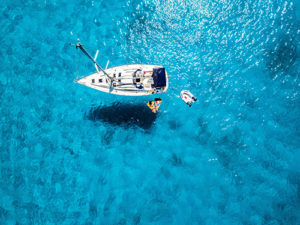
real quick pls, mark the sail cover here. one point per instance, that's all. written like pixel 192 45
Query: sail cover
pixel 159 77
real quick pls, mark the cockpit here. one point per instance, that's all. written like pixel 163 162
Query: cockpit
pixel 150 79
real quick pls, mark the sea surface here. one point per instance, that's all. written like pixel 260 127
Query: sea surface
pixel 72 155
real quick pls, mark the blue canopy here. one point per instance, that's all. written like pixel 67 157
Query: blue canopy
pixel 159 77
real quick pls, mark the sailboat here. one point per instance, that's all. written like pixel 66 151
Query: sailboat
pixel 128 80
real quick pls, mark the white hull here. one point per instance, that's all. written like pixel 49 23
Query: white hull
pixel 129 80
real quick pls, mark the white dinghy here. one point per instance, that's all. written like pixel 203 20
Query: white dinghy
pixel 188 97
pixel 129 80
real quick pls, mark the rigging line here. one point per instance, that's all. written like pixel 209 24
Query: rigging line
pixel 76 62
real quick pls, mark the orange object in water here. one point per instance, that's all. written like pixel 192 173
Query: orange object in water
pixel 154 105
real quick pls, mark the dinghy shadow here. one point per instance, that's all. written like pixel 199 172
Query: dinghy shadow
pixel 127 115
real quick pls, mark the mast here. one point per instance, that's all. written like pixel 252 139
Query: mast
pixel 78 45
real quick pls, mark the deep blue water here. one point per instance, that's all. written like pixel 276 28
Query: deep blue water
pixel 72 155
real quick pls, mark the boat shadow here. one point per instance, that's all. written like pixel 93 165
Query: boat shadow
pixel 126 115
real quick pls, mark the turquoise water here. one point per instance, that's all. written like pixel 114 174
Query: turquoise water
pixel 72 155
